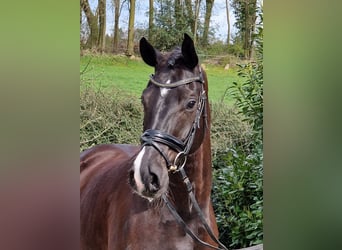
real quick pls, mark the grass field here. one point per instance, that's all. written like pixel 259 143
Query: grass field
pixel 131 75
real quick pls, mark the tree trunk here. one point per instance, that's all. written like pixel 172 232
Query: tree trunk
pixel 208 10
pixel 178 15
pixel 81 14
pixel 253 17
pixel 245 13
pixel 190 15
pixel 80 28
pixel 247 30
pixel 102 25
pixel 228 22
pixel 197 7
pixel 250 18
pixel 130 40
pixel 92 22
pixel 150 20
pixel 116 25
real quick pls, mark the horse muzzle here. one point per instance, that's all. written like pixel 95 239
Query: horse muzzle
pixel 149 177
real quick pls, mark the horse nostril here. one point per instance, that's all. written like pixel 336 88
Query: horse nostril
pixel 154 185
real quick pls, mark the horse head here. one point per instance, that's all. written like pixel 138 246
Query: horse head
pixel 174 116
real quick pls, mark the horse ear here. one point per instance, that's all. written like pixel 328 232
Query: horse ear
pixel 147 52
pixel 189 52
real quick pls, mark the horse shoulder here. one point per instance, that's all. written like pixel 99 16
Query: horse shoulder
pixel 104 168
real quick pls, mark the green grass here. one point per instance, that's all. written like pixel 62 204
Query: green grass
pixel 131 75
pixel 219 80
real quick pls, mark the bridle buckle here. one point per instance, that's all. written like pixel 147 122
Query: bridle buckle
pixel 179 162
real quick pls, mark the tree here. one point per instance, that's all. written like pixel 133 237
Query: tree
pixel 178 14
pixel 150 20
pixel 208 9
pixel 190 15
pixel 96 23
pixel 102 25
pixel 92 23
pixel 130 39
pixel 80 26
pixel 116 25
pixel 228 22
pixel 194 30
pixel 171 22
pixel 118 5
pixel 245 12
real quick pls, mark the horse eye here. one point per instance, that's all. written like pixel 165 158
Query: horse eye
pixel 191 104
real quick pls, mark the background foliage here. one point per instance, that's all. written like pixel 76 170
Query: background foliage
pixel 169 26
pixel 114 116
pixel 108 117
pixel 238 174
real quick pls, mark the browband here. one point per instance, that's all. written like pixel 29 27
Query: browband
pixel 178 83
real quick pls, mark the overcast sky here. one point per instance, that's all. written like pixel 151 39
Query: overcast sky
pixel 218 19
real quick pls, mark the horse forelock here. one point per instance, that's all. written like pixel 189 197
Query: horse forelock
pixel 168 60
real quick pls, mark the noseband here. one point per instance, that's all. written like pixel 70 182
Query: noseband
pixel 152 137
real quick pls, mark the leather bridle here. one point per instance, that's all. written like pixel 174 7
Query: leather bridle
pixel 153 137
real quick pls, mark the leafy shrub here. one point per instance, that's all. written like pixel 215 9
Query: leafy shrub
pixel 237 197
pixel 238 173
pixel 236 49
pixel 217 48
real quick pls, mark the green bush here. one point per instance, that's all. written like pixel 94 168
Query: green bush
pixel 217 48
pixel 236 49
pixel 237 197
pixel 238 172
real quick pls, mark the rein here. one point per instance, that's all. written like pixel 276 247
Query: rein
pixel 181 222
pixel 152 137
